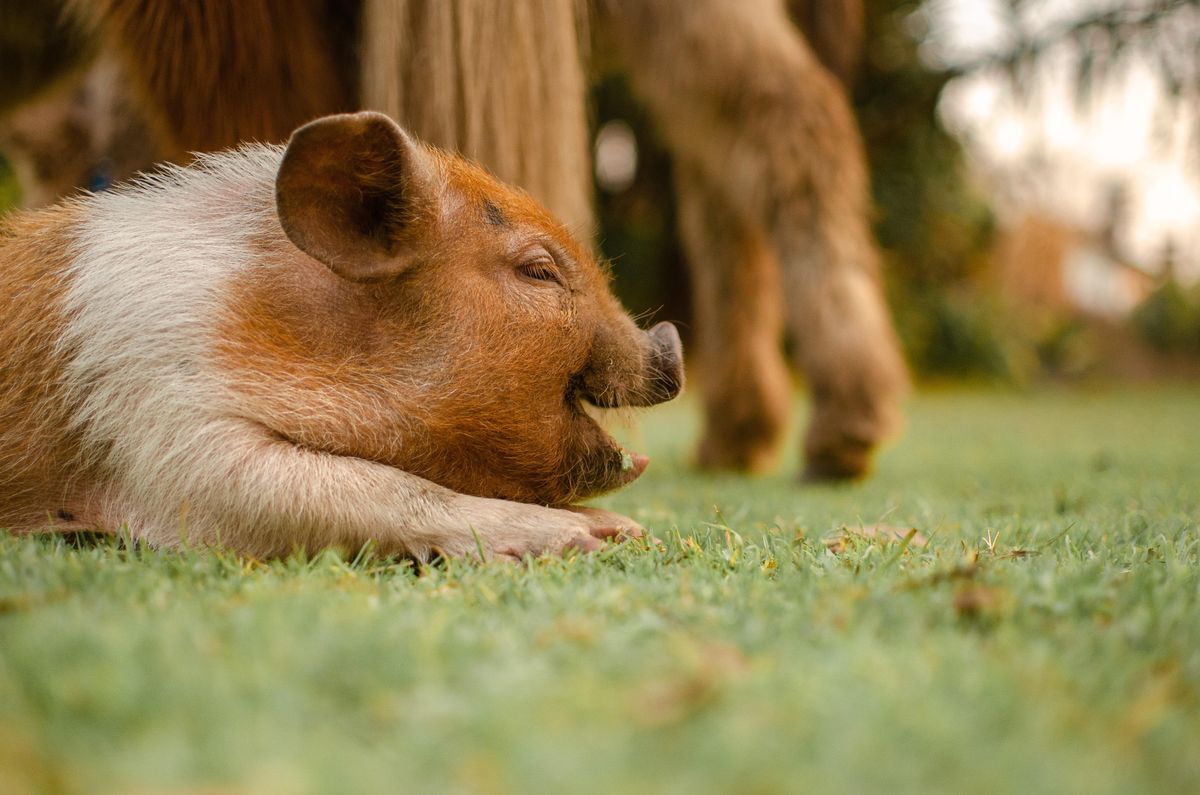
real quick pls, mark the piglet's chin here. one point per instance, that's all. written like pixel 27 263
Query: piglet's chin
pixel 595 463
pixel 633 464
pixel 606 469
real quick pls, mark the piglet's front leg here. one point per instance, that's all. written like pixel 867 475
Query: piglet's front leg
pixel 514 530
pixel 608 525
pixel 244 489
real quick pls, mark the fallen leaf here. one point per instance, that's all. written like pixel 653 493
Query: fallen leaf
pixel 710 668
pixel 978 600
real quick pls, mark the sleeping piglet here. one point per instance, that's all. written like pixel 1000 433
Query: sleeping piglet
pixel 353 338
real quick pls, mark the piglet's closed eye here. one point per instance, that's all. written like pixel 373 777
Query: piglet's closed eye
pixel 354 192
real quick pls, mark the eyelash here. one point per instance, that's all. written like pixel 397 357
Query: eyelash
pixel 542 270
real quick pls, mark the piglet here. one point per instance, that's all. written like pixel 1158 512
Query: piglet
pixel 354 338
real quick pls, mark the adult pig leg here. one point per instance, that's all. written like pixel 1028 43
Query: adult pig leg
pixel 737 93
pixel 739 328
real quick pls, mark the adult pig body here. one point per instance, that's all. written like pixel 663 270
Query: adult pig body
pixel 356 338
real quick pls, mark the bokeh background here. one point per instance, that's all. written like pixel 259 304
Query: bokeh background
pixel 1034 168
pixel 1035 177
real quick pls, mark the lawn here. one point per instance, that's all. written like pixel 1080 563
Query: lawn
pixel 1044 638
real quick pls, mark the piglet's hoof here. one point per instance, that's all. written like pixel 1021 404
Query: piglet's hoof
pixel 609 526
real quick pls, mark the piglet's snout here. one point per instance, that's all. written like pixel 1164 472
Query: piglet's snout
pixel 665 373
pixel 651 372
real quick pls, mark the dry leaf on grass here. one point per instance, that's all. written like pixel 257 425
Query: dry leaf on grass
pixel 882 533
pixel 665 701
pixel 978 600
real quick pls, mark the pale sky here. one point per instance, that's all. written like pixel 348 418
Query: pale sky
pixel 1124 134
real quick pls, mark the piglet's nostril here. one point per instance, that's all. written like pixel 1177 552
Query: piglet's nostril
pixel 649 372
pixel 665 376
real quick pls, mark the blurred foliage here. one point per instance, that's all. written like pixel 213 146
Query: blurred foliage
pixel 1065 347
pixel 1162 33
pixel 1169 319
pixel 960 332
pixel 933 223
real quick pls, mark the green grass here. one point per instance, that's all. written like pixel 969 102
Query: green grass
pixel 1046 639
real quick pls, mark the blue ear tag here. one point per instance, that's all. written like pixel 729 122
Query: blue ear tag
pixel 101 176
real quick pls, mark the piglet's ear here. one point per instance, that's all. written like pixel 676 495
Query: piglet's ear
pixel 355 192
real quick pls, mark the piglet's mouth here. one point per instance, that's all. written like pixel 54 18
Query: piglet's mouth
pixel 601 463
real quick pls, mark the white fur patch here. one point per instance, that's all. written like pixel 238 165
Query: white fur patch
pixel 152 267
